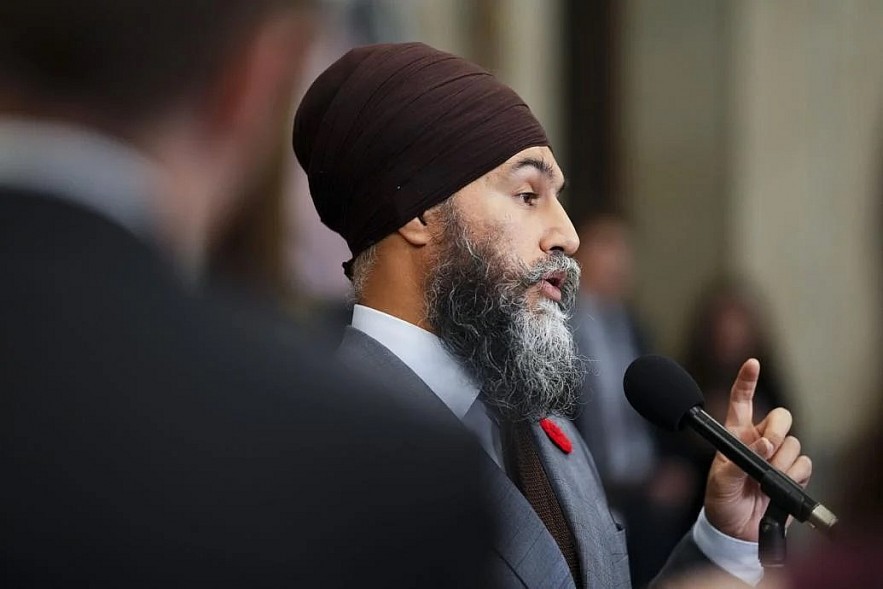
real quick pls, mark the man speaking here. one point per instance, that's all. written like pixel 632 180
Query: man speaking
pixel 446 190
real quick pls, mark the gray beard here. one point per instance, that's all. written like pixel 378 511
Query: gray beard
pixel 477 303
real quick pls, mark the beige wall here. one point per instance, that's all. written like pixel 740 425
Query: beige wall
pixel 672 151
pixel 440 23
pixel 807 133
pixel 751 140
pixel 531 59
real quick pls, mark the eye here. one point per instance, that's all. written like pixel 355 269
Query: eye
pixel 529 198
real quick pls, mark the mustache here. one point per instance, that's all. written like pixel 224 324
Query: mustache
pixel 560 264
pixel 479 300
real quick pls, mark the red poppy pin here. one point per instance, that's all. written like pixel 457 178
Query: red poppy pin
pixel 558 437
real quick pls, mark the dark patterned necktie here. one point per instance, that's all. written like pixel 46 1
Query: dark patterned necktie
pixel 527 472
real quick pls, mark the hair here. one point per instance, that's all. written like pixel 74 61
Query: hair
pixel 363 264
pixel 127 59
pixel 700 357
pixel 477 303
pixel 250 251
pixel 365 260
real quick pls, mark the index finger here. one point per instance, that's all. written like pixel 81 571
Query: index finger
pixel 740 411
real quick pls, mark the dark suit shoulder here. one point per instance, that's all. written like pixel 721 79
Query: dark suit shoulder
pixel 148 434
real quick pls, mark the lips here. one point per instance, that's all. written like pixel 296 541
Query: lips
pixel 550 284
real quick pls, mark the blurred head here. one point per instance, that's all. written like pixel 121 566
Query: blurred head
pixel 605 255
pixel 444 186
pixel 200 86
pixel 728 327
pixel 735 332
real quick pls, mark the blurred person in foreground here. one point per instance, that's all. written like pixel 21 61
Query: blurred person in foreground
pixel 445 188
pixel 149 434
pixel 645 487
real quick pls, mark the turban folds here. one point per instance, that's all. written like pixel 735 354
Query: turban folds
pixel 389 131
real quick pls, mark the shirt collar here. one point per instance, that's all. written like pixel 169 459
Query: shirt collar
pixel 422 352
pixel 81 166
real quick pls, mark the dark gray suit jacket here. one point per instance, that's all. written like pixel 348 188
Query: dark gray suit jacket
pixel 525 554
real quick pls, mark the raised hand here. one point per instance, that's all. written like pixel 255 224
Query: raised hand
pixel 734 503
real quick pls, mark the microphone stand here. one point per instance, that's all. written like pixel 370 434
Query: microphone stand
pixel 771 544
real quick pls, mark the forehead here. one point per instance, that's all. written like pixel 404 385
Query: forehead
pixel 531 161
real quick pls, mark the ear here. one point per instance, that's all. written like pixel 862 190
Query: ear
pixel 416 232
pixel 258 83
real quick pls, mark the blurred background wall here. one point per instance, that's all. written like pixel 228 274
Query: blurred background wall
pixel 749 142
pixel 740 137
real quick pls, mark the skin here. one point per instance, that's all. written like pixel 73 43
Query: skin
pixel 520 200
pixel 210 152
pixel 734 503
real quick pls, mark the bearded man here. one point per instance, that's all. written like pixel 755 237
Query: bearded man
pixel 446 190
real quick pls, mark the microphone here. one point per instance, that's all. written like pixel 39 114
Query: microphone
pixel 666 395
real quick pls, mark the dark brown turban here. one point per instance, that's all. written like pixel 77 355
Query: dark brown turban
pixel 389 131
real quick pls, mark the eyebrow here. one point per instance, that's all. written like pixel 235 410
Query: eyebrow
pixel 540 164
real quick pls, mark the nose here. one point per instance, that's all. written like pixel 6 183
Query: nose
pixel 560 234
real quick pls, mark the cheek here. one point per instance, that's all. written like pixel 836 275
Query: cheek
pixel 523 239
pixel 517 246
pixel 514 232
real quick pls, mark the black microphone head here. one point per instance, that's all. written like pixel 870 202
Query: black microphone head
pixel 661 391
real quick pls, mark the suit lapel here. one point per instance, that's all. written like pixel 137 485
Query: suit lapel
pixel 372 359
pixel 523 542
pixel 600 542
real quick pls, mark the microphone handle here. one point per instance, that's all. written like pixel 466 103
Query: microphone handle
pixel 780 488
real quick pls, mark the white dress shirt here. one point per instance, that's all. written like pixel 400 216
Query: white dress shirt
pixel 424 353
